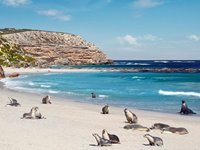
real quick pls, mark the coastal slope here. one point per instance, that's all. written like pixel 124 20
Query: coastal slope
pixel 55 48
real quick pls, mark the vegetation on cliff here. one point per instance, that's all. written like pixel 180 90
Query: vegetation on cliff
pixel 13 55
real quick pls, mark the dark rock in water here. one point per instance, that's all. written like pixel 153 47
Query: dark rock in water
pixel 2 75
pixel 14 75
pixel 162 70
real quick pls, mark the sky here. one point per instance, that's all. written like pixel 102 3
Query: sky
pixel 123 29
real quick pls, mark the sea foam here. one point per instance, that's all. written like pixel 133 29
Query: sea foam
pixel 162 92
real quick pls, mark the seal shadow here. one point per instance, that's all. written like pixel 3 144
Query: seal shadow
pixel 93 145
pixel 146 144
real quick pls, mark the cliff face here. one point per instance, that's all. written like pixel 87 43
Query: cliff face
pixel 2 75
pixel 13 55
pixel 50 48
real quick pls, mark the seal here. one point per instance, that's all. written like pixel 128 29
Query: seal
pixel 137 127
pixel 154 141
pixel 185 110
pixel 105 109
pixel 131 117
pixel 38 115
pixel 111 137
pixel 46 100
pixel 30 115
pixel 13 102
pixel 159 126
pixel 93 95
pixel 101 141
pixel 180 130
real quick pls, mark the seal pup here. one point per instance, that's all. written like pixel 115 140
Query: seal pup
pixel 101 141
pixel 93 95
pixel 111 137
pixel 131 117
pixel 30 115
pixel 105 109
pixel 185 110
pixel 13 102
pixel 180 131
pixel 46 100
pixel 159 126
pixel 154 141
pixel 137 127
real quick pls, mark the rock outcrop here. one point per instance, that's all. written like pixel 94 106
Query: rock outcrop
pixel 2 75
pixel 13 75
pixel 55 48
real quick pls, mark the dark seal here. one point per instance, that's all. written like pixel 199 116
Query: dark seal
pixel 185 110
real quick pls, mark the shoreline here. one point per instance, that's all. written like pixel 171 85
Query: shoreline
pixel 70 125
pixel 29 71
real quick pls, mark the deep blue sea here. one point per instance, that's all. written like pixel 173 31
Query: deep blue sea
pixel 161 92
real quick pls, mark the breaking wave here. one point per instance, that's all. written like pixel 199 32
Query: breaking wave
pixel 162 92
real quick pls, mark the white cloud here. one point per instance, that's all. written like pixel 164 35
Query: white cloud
pixel 127 40
pixel 130 40
pixel 56 14
pixel 194 37
pixel 64 18
pixel 142 4
pixel 15 2
pixel 149 37
pixel 49 12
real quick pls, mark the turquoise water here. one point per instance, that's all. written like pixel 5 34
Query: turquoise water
pixel 161 92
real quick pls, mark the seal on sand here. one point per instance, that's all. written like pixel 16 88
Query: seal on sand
pixel 137 127
pixel 185 110
pixel 13 102
pixel 180 130
pixel 46 100
pixel 30 115
pixel 154 140
pixel 159 126
pixel 38 115
pixel 113 138
pixel 131 117
pixel 101 141
pixel 105 109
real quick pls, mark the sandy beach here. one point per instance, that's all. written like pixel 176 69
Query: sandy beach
pixel 69 125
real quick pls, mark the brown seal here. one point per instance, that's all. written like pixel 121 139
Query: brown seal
pixel 105 109
pixel 13 102
pixel 113 138
pixel 130 116
pixel 101 141
pixel 179 130
pixel 30 115
pixel 154 141
pixel 46 100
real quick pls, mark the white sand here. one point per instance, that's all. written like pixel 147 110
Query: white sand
pixel 10 70
pixel 69 126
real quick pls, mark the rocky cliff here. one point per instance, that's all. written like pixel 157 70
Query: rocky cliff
pixel 52 48
pixel 13 55
pixel 2 75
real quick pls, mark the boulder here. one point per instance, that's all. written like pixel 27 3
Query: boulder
pixel 13 75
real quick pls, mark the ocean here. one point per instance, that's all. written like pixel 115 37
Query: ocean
pixel 161 92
